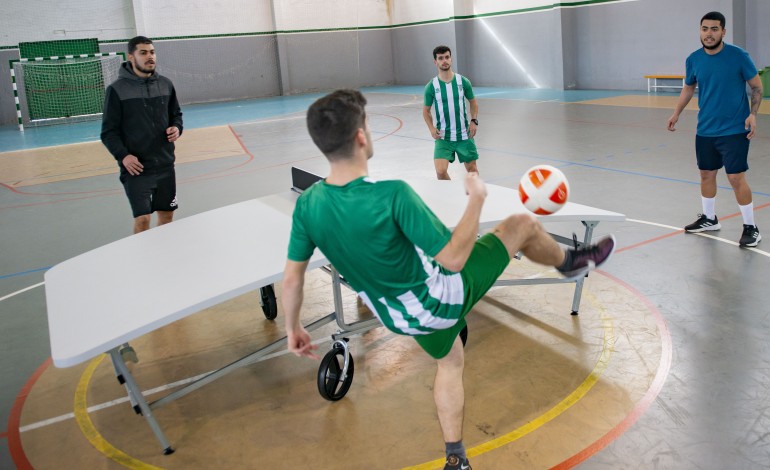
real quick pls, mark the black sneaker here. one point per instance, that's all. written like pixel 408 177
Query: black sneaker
pixel 703 224
pixel 579 262
pixel 454 462
pixel 751 236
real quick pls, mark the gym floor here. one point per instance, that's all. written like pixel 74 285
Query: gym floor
pixel 665 367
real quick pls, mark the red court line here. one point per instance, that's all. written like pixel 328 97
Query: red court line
pixel 660 377
pixel 668 235
pixel 652 393
pixel 25 193
pixel 17 452
pixel 400 125
pixel 211 175
pixel 14 420
pixel 651 240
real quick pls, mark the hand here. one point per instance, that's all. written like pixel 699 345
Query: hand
pixel 300 344
pixel 172 133
pixel 672 122
pixel 472 130
pixel 751 125
pixel 435 133
pixel 132 165
pixel 474 185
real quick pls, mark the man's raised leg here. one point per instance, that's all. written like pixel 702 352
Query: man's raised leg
pixel 523 232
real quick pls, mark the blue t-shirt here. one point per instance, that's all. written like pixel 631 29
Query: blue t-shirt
pixel 722 98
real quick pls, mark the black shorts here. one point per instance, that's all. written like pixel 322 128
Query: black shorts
pixel 150 192
pixel 730 151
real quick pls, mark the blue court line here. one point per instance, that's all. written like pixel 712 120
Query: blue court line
pixel 614 170
pixel 194 115
pixel 565 163
pixel 235 112
pixel 25 272
pixel 528 94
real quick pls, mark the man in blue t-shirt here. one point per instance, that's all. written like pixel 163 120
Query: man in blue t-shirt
pixel 726 121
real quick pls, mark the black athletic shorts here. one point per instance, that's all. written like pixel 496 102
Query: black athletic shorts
pixel 150 192
pixel 730 151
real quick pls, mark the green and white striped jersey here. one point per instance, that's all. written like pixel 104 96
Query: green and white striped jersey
pixel 448 101
pixel 382 238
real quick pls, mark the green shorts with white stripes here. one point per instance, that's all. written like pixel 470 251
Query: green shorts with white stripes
pixel 487 261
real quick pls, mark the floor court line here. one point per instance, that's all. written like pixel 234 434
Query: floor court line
pixel 22 273
pixel 111 452
pixel 608 347
pixel 90 432
pixel 159 389
pixel 14 419
pixel 213 174
pixel 652 392
pixel 149 392
pixel 587 165
pixel 173 385
pixel 13 294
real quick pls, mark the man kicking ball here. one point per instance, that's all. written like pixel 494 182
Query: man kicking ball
pixel 416 275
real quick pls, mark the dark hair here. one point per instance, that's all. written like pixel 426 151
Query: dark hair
pixel 441 50
pixel 333 121
pixel 716 16
pixel 136 41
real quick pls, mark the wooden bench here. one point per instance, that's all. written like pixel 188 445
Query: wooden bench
pixel 652 81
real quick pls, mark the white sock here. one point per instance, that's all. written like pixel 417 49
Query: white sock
pixel 709 206
pixel 747 212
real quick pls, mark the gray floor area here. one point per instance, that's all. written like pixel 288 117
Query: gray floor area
pixel 712 410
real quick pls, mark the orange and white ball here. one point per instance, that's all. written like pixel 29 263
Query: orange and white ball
pixel 543 189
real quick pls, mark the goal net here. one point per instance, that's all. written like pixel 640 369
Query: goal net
pixel 53 89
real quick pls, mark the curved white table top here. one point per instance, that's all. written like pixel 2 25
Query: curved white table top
pixel 108 296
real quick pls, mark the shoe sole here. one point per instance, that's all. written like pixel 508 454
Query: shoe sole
pixel 710 228
pixel 591 266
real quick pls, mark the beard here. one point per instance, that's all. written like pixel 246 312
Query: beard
pixel 149 69
pixel 715 46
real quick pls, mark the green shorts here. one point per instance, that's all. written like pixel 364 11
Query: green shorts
pixel 465 150
pixel 487 261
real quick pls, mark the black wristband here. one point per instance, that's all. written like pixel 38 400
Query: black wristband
pixel 475 121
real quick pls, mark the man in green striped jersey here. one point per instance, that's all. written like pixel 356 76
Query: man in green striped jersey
pixel 418 277
pixel 446 94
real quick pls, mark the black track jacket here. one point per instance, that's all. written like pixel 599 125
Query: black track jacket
pixel 137 112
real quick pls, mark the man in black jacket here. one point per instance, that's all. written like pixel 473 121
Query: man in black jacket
pixel 140 124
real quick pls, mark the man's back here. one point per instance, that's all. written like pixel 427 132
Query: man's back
pixel 382 238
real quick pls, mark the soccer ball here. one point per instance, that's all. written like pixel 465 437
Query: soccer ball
pixel 543 189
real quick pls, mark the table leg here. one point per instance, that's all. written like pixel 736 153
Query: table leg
pixel 135 395
pixel 589 225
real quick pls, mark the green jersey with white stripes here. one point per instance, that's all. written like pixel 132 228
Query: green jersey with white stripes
pixel 449 107
pixel 382 238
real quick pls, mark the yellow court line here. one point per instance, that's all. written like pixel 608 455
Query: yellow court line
pixel 90 432
pixel 101 444
pixel 561 407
